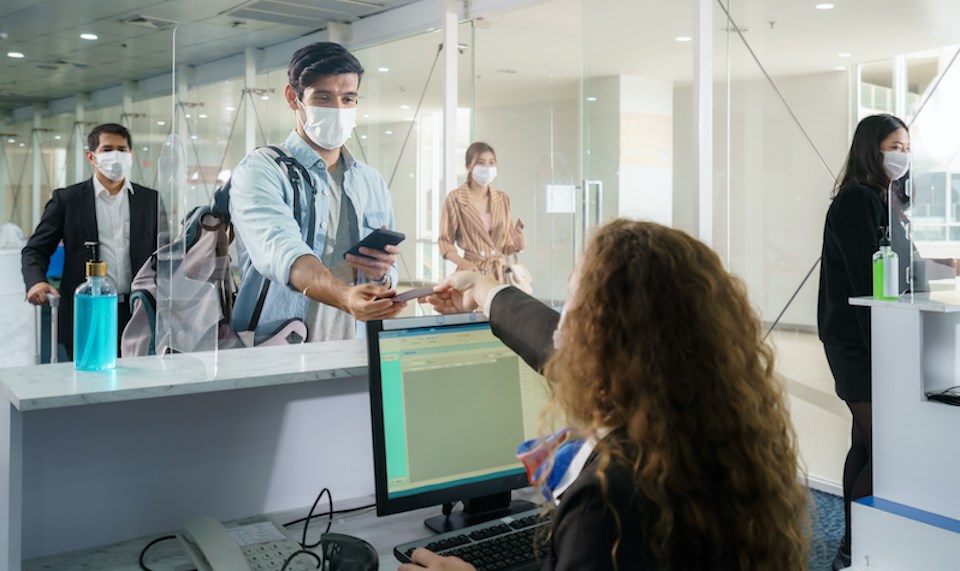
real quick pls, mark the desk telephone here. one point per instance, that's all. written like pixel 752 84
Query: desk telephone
pixel 260 544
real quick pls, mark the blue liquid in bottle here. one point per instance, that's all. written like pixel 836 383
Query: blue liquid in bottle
pixel 95 331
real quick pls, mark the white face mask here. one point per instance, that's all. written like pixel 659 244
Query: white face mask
pixel 328 127
pixel 483 175
pixel 558 333
pixel 114 165
pixel 896 164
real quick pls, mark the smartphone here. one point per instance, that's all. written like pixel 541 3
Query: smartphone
pixel 379 239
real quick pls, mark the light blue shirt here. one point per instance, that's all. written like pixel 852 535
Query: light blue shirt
pixel 269 239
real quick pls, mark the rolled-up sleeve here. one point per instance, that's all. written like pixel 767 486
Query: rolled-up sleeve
pixel 263 219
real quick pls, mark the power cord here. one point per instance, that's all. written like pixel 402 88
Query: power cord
pixel 949 396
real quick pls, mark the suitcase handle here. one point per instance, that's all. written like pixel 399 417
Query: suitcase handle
pixel 54 302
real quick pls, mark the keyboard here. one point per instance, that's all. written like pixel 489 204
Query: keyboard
pixel 505 544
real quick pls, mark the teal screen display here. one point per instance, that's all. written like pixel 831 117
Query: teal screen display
pixel 456 404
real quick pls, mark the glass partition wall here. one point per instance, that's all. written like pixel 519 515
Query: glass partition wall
pixel 781 131
pixel 591 113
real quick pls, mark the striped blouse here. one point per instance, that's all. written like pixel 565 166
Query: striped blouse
pixel 461 224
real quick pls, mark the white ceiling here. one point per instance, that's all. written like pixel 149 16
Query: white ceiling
pixel 59 63
pixel 790 37
pixel 535 53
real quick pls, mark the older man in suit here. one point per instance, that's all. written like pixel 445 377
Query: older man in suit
pixel 106 208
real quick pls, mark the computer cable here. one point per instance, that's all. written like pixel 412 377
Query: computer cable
pixel 335 512
pixel 329 519
pixel 302 552
pixel 143 552
pixel 949 396
pixel 304 546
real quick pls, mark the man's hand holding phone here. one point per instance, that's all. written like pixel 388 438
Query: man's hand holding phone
pixel 375 254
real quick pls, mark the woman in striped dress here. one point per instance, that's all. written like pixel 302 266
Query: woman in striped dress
pixel 476 218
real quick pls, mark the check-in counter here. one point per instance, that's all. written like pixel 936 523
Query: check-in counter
pixel 89 459
pixel 913 519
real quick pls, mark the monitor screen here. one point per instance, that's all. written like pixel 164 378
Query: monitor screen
pixel 450 403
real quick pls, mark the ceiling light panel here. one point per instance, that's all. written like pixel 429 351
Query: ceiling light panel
pixel 291 13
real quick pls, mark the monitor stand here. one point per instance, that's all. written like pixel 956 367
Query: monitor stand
pixel 478 510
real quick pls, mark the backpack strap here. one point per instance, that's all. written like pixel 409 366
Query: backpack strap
pixel 298 176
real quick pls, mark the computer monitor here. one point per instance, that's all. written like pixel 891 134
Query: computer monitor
pixel 449 403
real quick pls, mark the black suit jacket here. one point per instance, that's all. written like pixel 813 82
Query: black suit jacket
pixel 585 526
pixel 71 216
pixel 525 325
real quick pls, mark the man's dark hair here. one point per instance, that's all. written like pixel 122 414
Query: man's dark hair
pixel 93 139
pixel 319 59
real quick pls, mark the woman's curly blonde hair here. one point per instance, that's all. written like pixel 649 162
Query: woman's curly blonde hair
pixel 663 346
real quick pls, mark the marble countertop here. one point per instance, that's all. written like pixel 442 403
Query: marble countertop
pixel 946 301
pixel 60 385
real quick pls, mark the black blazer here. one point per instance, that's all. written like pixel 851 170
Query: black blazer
pixel 585 527
pixel 71 216
pixel 525 325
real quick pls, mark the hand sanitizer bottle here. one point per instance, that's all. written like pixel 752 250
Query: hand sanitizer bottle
pixel 886 269
pixel 95 317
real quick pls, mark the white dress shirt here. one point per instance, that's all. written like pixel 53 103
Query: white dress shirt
pixel 113 232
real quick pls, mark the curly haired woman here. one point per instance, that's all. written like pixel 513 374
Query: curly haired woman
pixel 658 361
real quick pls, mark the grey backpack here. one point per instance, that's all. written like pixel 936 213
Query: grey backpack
pixel 205 236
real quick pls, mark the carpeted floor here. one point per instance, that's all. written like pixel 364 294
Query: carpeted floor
pixel 826 516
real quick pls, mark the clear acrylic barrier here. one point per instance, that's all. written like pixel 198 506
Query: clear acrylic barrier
pixel 187 302
pixel 217 122
pixel 528 107
pixel 931 194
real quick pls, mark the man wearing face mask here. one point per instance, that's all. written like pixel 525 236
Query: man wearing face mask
pixel 318 282
pixel 106 208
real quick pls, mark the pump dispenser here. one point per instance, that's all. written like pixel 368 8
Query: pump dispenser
pixel 886 269
pixel 95 317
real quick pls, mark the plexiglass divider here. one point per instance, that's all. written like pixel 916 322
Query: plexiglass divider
pixel 928 199
pixel 189 286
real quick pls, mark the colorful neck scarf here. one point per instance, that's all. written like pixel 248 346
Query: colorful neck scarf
pixel 554 452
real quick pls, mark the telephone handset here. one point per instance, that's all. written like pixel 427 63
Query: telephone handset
pixel 255 543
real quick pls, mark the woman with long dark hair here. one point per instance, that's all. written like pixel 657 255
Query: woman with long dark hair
pixel 866 200
pixel 659 363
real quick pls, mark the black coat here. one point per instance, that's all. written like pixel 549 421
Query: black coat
pixel 71 216
pixel 851 235
pixel 585 527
